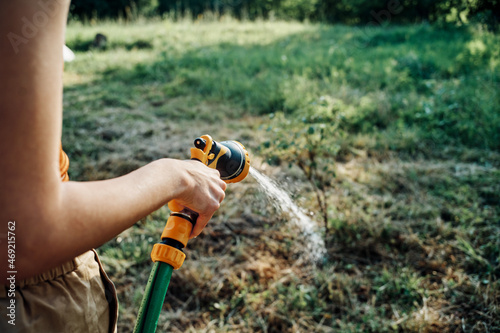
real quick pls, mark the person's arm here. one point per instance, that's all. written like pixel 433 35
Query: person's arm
pixel 56 221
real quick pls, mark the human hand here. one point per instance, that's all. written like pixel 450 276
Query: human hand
pixel 200 189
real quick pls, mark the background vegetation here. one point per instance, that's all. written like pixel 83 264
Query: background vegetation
pixel 336 11
pixel 395 127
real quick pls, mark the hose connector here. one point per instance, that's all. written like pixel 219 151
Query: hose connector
pixel 174 238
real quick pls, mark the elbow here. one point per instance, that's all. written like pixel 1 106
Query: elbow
pixel 29 247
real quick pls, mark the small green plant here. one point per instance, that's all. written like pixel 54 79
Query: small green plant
pixel 309 140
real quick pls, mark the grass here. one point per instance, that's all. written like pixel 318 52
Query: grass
pixel 414 206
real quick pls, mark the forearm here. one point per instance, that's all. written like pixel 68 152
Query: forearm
pixel 101 209
pixel 88 214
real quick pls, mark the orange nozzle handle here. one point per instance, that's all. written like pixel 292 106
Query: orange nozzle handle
pixel 175 207
pixel 63 164
pixel 174 237
pixel 178 227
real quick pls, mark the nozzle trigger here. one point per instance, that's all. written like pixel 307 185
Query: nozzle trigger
pixel 200 143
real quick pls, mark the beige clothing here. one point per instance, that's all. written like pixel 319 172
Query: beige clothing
pixel 75 297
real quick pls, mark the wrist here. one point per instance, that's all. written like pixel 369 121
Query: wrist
pixel 178 182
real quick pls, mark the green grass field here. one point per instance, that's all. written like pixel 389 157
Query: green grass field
pixel 411 188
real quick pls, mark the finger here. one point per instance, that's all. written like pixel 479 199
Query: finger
pixel 212 205
pixel 222 196
pixel 201 222
pixel 223 184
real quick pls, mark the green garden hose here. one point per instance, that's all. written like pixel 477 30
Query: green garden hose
pixel 154 295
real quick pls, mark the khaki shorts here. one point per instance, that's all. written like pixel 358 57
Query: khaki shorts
pixel 75 297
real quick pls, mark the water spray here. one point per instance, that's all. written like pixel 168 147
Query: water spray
pixel 314 246
pixel 231 159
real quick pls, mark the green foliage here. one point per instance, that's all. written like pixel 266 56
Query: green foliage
pixel 99 9
pixel 379 13
pixel 403 287
pixel 310 141
pixel 298 9
pixel 128 9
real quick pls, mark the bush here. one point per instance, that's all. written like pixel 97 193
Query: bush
pixel 379 12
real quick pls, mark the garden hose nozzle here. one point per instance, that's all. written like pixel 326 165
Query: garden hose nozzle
pixel 229 157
